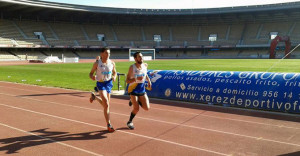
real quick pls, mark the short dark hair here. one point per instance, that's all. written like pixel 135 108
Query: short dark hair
pixel 104 49
pixel 136 53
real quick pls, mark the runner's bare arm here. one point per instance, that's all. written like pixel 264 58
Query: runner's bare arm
pixel 130 72
pixel 114 74
pixel 94 68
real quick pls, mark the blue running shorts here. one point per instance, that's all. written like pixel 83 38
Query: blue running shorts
pixel 106 85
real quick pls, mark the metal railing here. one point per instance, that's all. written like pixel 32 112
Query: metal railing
pixel 120 74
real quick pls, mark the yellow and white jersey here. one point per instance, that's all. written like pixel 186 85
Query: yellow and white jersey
pixel 142 72
pixel 104 71
pixel 139 85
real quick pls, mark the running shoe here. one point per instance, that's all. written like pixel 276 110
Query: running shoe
pixel 110 128
pixel 92 98
pixel 130 125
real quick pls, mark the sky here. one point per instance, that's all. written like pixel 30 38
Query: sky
pixel 170 4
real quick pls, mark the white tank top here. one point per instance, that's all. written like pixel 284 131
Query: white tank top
pixel 139 72
pixel 104 70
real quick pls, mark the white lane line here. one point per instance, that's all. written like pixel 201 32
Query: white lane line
pixel 212 130
pixel 30 85
pixel 89 92
pixel 237 120
pixel 206 129
pixel 152 138
pixel 184 102
pixel 54 141
pixel 252 122
pixel 167 110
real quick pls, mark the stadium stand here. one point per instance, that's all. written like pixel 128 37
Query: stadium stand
pixel 235 32
pixel 59 54
pixel 128 33
pixel 213 29
pixel 145 44
pixel 295 33
pixel 194 53
pixel 198 44
pixel 282 29
pixel 157 29
pixel 171 54
pixel 7 56
pixel 6 42
pixel 88 54
pixel 28 42
pixel 184 33
pixel 119 44
pixel 222 54
pixel 90 43
pixel 68 31
pixel 62 43
pixel 93 29
pixel 29 27
pixel 28 55
pixel 8 30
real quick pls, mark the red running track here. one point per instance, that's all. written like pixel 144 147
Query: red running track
pixel 52 121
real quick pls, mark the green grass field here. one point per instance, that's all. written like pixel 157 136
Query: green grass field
pixel 75 76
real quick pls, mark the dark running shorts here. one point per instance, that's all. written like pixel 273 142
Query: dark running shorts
pixel 137 94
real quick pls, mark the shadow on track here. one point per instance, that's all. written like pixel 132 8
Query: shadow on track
pixel 42 136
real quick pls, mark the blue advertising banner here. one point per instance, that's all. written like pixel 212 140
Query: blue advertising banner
pixel 257 90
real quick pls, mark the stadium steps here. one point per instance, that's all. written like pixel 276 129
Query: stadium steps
pixel 84 33
pixel 44 53
pixel 45 41
pixel 20 30
pixel 52 31
pixel 75 53
pixel 76 43
pixel 13 54
pixel 104 43
pixel 143 34
pixel 114 33
pixel 291 29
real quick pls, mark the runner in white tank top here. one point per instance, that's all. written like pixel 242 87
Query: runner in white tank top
pixel 136 77
pixel 137 87
pixel 105 70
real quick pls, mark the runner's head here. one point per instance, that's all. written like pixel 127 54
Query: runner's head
pixel 138 57
pixel 105 53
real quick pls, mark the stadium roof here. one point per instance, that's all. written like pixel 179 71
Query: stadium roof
pixel 39 5
pixel 70 12
pixel 167 4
